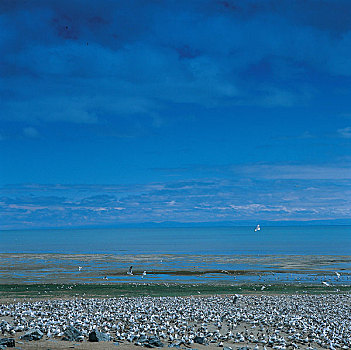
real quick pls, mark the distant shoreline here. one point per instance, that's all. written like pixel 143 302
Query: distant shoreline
pixel 169 224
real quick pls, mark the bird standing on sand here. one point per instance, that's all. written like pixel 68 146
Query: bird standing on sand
pixel 130 272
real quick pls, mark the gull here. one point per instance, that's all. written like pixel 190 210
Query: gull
pixel 79 268
pixel 130 272
pixel 144 274
pixel 258 228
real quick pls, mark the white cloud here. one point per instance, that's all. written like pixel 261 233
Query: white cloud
pixel 345 132
pixel 296 172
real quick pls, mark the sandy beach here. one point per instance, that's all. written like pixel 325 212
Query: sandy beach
pixel 112 268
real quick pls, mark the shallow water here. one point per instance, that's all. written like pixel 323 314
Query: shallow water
pixel 110 268
pixel 309 240
pixel 305 254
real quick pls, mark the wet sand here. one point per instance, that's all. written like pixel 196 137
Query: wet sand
pixel 34 278
pixel 97 268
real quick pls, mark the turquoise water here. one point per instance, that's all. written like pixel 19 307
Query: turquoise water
pixel 277 240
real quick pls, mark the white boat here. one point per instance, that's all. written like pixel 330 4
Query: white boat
pixel 258 228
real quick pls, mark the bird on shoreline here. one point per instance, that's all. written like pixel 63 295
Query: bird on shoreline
pixel 130 272
pixel 260 321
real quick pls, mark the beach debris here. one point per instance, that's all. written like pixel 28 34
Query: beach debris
pixel 200 340
pixel 96 336
pixel 142 339
pixel 7 342
pixel 72 334
pixel 154 342
pixel 5 327
pixel 33 334
pixel 253 322
pixel 326 284
pixel 337 274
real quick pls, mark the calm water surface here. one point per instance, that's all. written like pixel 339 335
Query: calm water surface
pixel 294 254
pixel 309 240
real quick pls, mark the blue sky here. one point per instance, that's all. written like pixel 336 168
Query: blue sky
pixel 117 112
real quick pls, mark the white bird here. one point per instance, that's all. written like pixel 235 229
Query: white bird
pixel 79 268
pixel 258 228
pixel 144 274
pixel 263 287
pixel 130 272
pixel 337 274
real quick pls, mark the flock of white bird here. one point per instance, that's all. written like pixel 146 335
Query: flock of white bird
pixel 258 321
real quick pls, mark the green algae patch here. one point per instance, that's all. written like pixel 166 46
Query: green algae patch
pixel 42 291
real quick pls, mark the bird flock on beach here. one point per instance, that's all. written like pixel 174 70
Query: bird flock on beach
pixel 255 321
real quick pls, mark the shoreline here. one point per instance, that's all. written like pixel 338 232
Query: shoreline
pixel 173 268
pixel 40 291
pixel 254 321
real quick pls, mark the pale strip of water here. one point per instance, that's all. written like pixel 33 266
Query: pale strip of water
pixel 310 240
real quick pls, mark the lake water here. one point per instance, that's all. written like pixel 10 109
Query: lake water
pixel 296 254
pixel 332 240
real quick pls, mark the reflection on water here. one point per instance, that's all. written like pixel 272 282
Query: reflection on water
pixel 108 268
pixel 309 240
pixel 221 254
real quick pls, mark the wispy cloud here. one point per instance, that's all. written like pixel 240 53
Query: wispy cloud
pixel 30 132
pixel 185 201
pixel 103 60
pixel 274 171
pixel 298 172
pixel 345 132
